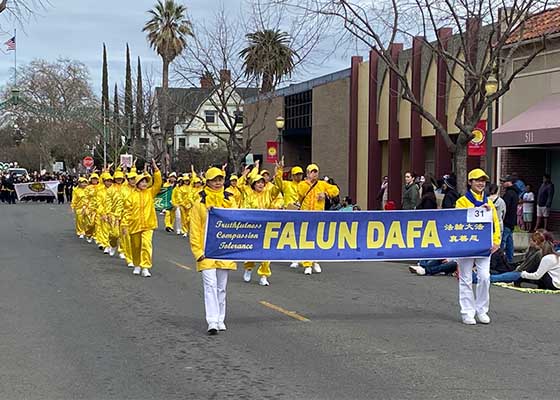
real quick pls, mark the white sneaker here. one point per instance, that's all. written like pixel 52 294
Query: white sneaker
pixel 81 237
pixel 122 256
pixel 130 265
pixel 107 250
pixel 112 251
pixel 317 268
pixel 247 275
pixel 483 318
pixel 221 326
pixel 294 265
pixel 89 240
pixel 307 271
pixel 213 329
pixel 179 232
pixel 146 273
pixel 469 321
pixel 263 281
pixel 416 269
pixel 185 235
pixel 136 271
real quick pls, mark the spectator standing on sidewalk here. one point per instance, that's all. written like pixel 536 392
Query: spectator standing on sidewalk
pixel 511 198
pixel 544 201
pixel 528 201
pixel 411 194
pixel 498 203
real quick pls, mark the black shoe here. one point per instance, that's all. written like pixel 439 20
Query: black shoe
pixel 168 229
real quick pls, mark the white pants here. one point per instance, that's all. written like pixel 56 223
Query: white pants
pixel 215 283
pixel 470 306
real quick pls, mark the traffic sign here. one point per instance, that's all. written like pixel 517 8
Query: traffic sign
pixel 88 162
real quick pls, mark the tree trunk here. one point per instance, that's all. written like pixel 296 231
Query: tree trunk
pixel 164 114
pixel 461 163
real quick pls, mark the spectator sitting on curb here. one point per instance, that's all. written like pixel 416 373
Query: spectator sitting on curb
pixel 433 267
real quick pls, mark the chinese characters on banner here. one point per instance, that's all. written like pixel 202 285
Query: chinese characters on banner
pixel 477 146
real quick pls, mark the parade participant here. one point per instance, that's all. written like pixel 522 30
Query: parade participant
pixel 234 189
pixel 79 206
pixel 117 206
pixel 176 200
pixel 269 185
pixel 214 272
pixel 170 214
pixel 140 220
pixel 103 213
pixel 259 198
pixel 312 194
pixel 475 197
pixel 91 211
pixel 125 237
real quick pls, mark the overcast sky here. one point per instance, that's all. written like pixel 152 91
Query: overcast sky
pixel 77 29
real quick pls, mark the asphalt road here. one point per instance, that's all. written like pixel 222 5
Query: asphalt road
pixel 76 324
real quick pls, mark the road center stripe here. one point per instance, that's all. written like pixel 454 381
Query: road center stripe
pixel 292 314
pixel 180 265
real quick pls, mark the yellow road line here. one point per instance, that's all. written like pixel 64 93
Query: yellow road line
pixel 180 265
pixel 292 314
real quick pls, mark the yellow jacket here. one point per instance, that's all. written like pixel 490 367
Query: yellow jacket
pixel 102 203
pixel 267 199
pixel 79 199
pixel 463 202
pixel 140 212
pixel 308 194
pixel 207 198
pixel 183 196
pixel 125 192
pixel 115 203
pixel 288 188
pixel 237 194
pixel 91 192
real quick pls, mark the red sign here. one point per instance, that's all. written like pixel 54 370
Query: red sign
pixel 271 152
pixel 88 162
pixel 477 145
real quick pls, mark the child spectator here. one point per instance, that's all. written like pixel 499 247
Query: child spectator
pixel 528 201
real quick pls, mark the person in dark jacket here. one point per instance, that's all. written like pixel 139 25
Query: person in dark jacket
pixel 428 200
pixel 450 192
pixel 511 198
pixel 410 195
pixel 544 201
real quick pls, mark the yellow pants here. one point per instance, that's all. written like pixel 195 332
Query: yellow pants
pixel 80 224
pixel 170 219
pixel 264 268
pixel 124 247
pixel 114 234
pixel 90 225
pixel 307 264
pixel 102 233
pixel 185 217
pixel 141 246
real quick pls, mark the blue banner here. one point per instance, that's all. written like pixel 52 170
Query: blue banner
pixel 282 235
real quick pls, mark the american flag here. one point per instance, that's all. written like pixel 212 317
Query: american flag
pixel 11 44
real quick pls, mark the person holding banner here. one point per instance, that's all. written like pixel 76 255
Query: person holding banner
pixel 471 307
pixel 140 220
pixel 214 272
pixel 170 214
pixel 260 198
pixel 312 193
pixel 79 206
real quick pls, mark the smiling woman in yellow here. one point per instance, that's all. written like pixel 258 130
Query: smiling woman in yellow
pixel 140 220
pixel 214 272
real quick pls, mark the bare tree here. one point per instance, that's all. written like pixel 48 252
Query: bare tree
pixel 484 42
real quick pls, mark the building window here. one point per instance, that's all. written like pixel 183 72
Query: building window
pixel 182 143
pixel 298 112
pixel 203 140
pixel 210 116
pixel 238 117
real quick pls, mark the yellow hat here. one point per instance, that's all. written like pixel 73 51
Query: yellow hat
pixel 256 178
pixel 312 167
pixel 119 174
pixel 297 170
pixel 173 175
pixel 477 173
pixel 81 179
pixel 264 171
pixel 146 176
pixel 181 178
pixel 106 176
pixel 213 173
pixel 233 177
pixel 187 177
pixel 93 176
pixel 132 174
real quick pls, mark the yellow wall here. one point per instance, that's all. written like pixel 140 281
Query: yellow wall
pixel 404 110
pixel 455 97
pixel 429 99
pixel 383 115
pixel 363 115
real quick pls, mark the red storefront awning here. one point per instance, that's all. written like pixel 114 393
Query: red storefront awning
pixel 539 125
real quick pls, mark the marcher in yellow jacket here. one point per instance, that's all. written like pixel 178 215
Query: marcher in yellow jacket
pixel 214 272
pixel 170 214
pixel 471 308
pixel 103 211
pixel 141 220
pixel 269 185
pixel 184 202
pixel 312 194
pixel 126 191
pixel 234 189
pixel 79 206
pixel 91 208
pixel 114 210
pixel 262 199
pixel 176 198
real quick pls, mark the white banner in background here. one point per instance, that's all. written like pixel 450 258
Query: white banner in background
pixel 35 189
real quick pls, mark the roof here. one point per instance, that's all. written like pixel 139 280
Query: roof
pixel 538 25
pixel 539 125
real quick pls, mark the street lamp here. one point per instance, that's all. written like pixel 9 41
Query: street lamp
pixel 280 126
pixel 169 151
pixel 491 88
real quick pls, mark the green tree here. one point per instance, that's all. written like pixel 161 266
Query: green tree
pixel 269 57
pixel 139 101
pixel 167 31
pixel 105 85
pixel 128 111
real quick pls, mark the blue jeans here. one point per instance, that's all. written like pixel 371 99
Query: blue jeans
pixel 434 267
pixel 507 243
pixel 507 277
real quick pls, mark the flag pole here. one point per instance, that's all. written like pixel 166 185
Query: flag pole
pixel 15 59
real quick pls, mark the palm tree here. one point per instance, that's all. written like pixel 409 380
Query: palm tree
pixel 167 32
pixel 268 57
